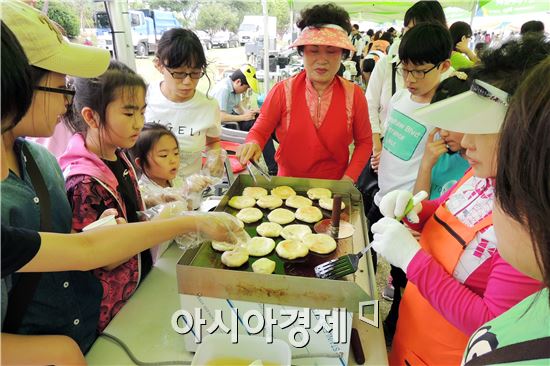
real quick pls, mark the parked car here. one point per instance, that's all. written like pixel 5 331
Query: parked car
pixel 225 39
pixel 205 38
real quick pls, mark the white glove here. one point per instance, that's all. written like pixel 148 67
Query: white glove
pixel 394 204
pixel 393 241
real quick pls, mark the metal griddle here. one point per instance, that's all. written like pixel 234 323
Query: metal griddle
pixel 201 272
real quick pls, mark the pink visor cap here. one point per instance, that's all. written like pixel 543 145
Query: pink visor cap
pixel 324 35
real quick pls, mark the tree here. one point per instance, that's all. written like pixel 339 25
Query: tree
pixel 64 14
pixel 215 17
pixel 187 10
pixel 281 10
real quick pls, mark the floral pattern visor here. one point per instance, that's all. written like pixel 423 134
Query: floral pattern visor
pixel 324 36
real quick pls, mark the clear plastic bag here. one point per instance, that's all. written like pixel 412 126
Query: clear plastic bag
pixel 209 226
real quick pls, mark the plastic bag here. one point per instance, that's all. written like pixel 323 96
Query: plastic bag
pixel 214 165
pixel 209 226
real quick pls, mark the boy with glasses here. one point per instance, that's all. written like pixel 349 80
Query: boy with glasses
pixel 424 53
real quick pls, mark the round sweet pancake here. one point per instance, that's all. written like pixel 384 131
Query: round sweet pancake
pixel 239 202
pixel 281 216
pixel 309 214
pixel 270 202
pixel 250 214
pixel 298 201
pixel 319 243
pixel 291 249
pixel 317 193
pixel 235 258
pixel 263 265
pixel 295 232
pixel 269 229
pixel 255 192
pixel 326 203
pixel 222 246
pixel 283 192
pixel 259 246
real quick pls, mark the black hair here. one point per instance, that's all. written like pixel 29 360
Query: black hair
pixel 355 26
pixel 507 66
pixel 148 137
pixel 391 29
pixel 97 93
pixel 425 11
pixel 17 80
pixel 181 47
pixel 480 47
pixel 523 177
pixel 318 15
pixel 426 43
pixel 370 33
pixel 532 26
pixel 387 36
pixel 238 75
pixel 452 86
pixel 459 30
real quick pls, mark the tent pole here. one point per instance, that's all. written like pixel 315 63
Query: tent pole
pixel 474 11
pixel 266 47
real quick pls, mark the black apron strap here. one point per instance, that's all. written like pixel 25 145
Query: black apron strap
pixel 393 72
pixel 23 291
pixel 534 349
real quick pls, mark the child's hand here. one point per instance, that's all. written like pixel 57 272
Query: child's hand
pixel 434 149
pixel 198 182
pixel 221 226
pixel 112 211
pixel 214 162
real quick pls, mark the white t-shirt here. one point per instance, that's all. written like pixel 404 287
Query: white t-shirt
pixel 403 146
pixel 191 121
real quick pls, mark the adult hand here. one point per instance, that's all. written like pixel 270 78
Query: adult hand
pixel 248 115
pixel 249 151
pixel 393 241
pixel 434 149
pixel 375 161
pixel 394 204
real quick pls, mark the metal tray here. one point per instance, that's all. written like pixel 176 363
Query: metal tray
pixel 200 270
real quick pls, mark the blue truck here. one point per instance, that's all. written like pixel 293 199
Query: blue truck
pixel 147 28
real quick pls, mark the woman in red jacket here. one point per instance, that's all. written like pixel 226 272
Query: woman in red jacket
pixel 315 114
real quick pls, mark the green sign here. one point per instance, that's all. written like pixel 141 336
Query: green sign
pixel 403 134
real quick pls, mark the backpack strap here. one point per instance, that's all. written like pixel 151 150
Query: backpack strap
pixel 22 293
pixel 533 349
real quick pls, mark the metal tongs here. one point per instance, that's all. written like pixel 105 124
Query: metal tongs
pixel 262 172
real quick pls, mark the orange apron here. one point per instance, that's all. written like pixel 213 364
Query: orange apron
pixel 423 336
pixel 309 152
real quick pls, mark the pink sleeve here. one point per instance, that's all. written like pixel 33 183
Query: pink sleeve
pixel 362 136
pixel 463 308
pixel 269 118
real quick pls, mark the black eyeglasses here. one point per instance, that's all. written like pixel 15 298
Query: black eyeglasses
pixel 68 94
pixel 180 75
pixel 416 74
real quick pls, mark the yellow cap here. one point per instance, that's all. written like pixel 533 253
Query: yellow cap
pixel 46 47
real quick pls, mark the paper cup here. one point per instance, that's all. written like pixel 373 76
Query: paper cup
pixel 106 221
